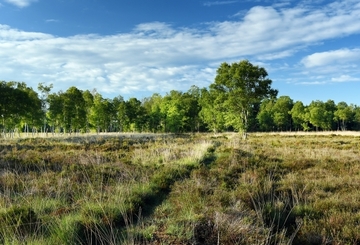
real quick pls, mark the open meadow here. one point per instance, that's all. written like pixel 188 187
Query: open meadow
pixel 273 188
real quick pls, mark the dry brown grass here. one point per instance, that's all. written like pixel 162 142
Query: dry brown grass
pixel 312 133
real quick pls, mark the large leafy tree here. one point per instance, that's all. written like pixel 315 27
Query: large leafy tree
pixel 152 107
pixel 265 116
pixel 174 110
pixel 321 114
pixel 281 112
pixel 89 102
pixel 356 118
pixel 102 113
pixel 343 114
pixel 298 116
pixel 241 86
pixel 31 107
pixel 122 118
pixel 55 111
pixel 74 109
pixel 19 105
pixel 117 102
pixel 211 110
pixel 44 91
pixel 330 108
pixel 68 110
pixel 192 108
pixel 136 114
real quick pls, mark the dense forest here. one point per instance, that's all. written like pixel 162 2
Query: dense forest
pixel 240 99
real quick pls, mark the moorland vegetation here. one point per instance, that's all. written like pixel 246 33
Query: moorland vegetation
pixel 183 189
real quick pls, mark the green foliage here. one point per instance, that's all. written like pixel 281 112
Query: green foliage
pixel 281 110
pixel 344 114
pixel 19 105
pixel 101 113
pixel 211 110
pixel 240 99
pixel 319 116
pixel 265 115
pixel 298 116
pixel 240 86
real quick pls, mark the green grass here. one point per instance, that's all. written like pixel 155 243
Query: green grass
pixel 185 189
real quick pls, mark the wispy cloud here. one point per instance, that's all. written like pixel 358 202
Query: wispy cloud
pixel 213 3
pixel 156 57
pixel 21 3
pixel 51 20
pixel 8 34
pixel 313 83
pixel 341 56
pixel 345 78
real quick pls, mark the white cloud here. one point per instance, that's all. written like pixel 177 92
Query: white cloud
pixel 312 83
pixel 155 57
pixel 8 34
pixel 51 20
pixel 345 78
pixel 21 3
pixel 340 56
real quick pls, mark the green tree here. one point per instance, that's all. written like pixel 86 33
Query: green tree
pixel 174 112
pixel 89 102
pixel 123 120
pixel 356 118
pixel 45 91
pixel 12 102
pixel 330 108
pixel 241 86
pixel 32 108
pixel 136 114
pixel 116 122
pixel 343 114
pixel 321 114
pixel 102 113
pixel 265 116
pixel 211 111
pixel 191 103
pixel 282 112
pixel 74 109
pixel 152 107
pixel 55 111
pixel 298 116
pixel 19 105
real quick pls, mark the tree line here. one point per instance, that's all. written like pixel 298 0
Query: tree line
pixel 240 99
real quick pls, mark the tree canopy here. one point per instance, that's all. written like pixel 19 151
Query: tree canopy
pixel 240 99
pixel 240 87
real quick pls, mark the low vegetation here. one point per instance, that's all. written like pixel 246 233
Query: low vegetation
pixel 180 189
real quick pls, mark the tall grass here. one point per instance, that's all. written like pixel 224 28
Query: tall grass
pixel 87 191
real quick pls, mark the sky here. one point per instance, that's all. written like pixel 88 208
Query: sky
pixel 135 48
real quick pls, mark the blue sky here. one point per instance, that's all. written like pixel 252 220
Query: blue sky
pixel 134 48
